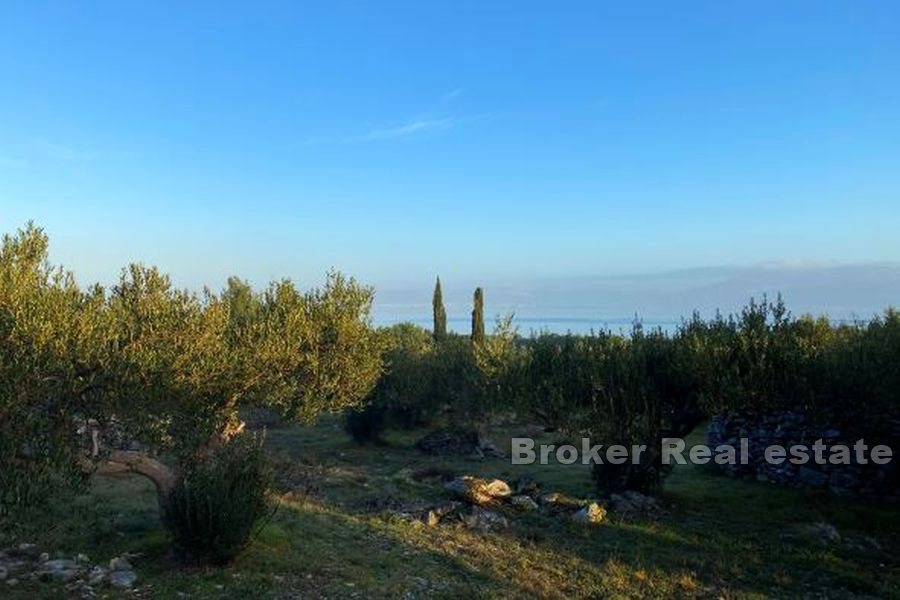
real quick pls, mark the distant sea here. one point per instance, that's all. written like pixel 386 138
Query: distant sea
pixel 527 325
pixel 843 293
pixel 560 325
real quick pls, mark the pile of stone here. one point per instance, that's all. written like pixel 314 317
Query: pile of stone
pixel 788 428
pixel 459 442
pixel 488 504
pixel 26 562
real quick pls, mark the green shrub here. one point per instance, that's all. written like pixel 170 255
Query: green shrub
pixel 630 408
pixel 764 360
pixel 614 389
pixel 560 376
pixel 365 425
pixel 454 380
pixel 423 381
pixel 218 500
pixel 403 388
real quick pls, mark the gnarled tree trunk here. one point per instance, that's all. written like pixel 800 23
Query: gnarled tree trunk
pixel 163 476
pixel 122 462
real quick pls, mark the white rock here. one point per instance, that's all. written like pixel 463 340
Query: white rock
pixel 479 491
pixel 61 569
pixel 122 579
pixel 120 564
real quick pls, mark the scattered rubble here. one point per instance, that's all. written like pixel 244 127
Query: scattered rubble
pixel 488 504
pixel 26 562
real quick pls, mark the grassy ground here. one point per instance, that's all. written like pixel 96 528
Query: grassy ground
pixel 331 537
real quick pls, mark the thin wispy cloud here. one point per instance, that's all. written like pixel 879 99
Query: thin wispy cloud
pixel 405 130
pixel 435 121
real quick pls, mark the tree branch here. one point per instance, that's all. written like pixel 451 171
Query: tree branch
pixel 121 462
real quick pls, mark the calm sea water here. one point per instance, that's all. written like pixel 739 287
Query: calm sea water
pixel 528 325
pixel 562 325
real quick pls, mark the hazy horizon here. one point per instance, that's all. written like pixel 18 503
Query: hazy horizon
pixel 843 292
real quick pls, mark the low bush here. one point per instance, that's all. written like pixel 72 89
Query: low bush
pixel 365 425
pixel 218 501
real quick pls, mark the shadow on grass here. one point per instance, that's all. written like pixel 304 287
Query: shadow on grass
pixel 722 536
pixel 742 538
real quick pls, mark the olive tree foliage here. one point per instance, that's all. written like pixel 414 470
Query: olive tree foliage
pixel 856 379
pixel 401 398
pixel 452 380
pixel 764 360
pixel 501 361
pixel 612 389
pixel 169 368
pixel 472 381
pixel 52 337
pixel 560 379
pixel 313 352
pixel 404 388
pixel 751 361
pixel 630 407
pixel 172 381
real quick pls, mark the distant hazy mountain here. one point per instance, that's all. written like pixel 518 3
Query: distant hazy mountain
pixel 841 292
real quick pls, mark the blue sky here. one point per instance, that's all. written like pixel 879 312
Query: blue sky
pixel 494 143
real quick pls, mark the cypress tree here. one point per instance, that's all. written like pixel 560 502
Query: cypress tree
pixel 440 315
pixel 478 316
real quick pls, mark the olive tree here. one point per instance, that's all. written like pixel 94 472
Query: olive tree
pixel 155 375
pixel 51 341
